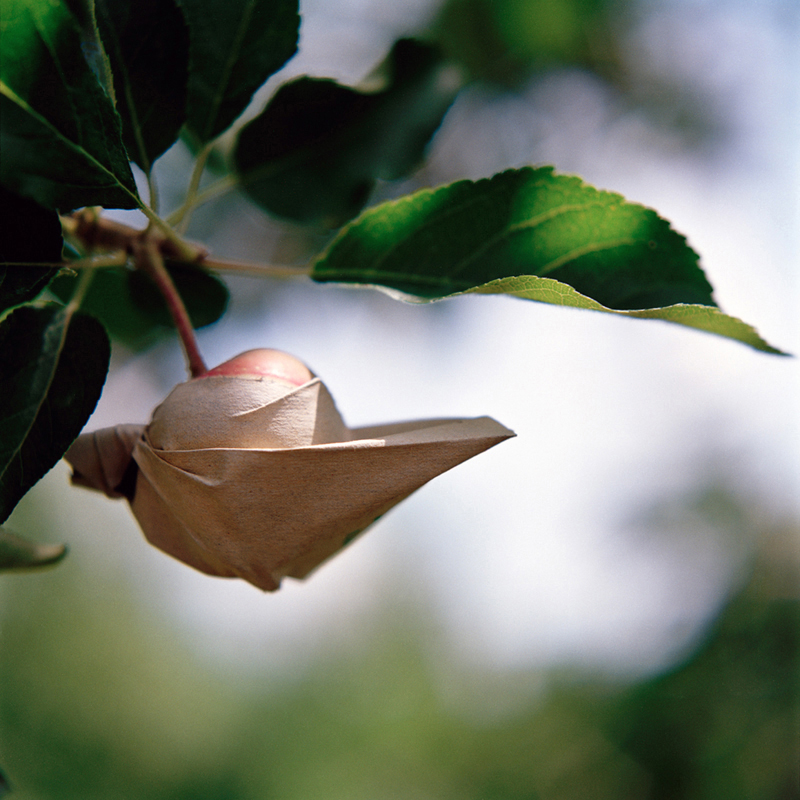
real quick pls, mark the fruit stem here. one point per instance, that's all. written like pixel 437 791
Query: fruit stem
pixel 148 258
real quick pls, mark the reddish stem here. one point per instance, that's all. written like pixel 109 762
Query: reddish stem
pixel 147 256
pixel 148 248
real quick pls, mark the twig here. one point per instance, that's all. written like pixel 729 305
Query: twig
pixel 106 234
pixel 98 232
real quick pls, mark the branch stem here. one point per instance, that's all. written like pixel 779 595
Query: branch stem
pixel 100 232
pixel 181 250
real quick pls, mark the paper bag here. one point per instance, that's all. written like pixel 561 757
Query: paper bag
pixel 255 478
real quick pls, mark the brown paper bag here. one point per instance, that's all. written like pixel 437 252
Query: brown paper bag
pixel 255 478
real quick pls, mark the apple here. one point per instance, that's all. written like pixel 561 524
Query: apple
pixel 264 362
pixel 223 408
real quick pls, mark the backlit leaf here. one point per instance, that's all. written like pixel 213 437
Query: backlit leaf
pixel 109 300
pixel 536 235
pixel 701 317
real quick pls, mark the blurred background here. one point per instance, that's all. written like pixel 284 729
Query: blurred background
pixel 605 606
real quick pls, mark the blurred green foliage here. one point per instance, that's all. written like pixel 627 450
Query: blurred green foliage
pixel 101 698
pixel 505 40
pixel 506 44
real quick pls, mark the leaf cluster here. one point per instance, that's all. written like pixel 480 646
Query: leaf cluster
pixel 90 87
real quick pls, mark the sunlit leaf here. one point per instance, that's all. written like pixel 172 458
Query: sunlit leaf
pixel 30 234
pixel 148 47
pixel 52 368
pixel 702 317
pixel 19 553
pixel 234 46
pixel 521 222
pixel 59 133
pixel 317 149
pixel 532 234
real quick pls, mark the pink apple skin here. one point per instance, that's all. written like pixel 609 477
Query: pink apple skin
pixel 264 362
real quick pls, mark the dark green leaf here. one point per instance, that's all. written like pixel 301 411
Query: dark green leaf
pixel 109 300
pixel 18 553
pixel 204 295
pixel 59 133
pixel 317 149
pixel 148 47
pixel 133 311
pixel 234 46
pixel 30 234
pixel 52 368
pixel 5 787
pixel 536 235
pixel 82 11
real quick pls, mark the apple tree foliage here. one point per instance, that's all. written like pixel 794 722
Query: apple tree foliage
pixel 89 87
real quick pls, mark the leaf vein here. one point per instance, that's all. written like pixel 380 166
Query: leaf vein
pixel 114 180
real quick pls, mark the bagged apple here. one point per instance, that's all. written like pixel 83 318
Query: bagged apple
pixel 249 470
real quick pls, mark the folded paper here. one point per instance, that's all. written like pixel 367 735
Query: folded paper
pixel 254 478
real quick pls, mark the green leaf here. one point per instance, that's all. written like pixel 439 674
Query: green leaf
pixel 203 294
pixel 109 300
pixel 30 234
pixel 52 368
pixel 148 47
pixel 522 222
pixel 536 235
pixel 317 149
pixel 17 553
pixel 704 318
pixel 234 46
pixel 59 133
pixel 132 309
pixel 82 11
